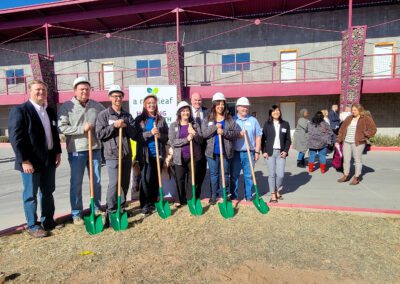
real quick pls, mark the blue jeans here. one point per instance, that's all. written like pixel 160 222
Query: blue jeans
pixel 300 156
pixel 320 152
pixel 46 181
pixel 241 161
pixel 78 161
pixel 215 175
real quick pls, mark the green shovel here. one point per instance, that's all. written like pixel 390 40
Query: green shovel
pixel 93 223
pixel 163 209
pixel 258 202
pixel 194 203
pixel 225 207
pixel 118 220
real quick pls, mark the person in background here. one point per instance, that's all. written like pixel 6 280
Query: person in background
pixel 344 114
pixel 325 113
pixel 354 133
pixel 181 132
pixel 108 123
pixel 150 123
pixel 76 117
pixel 34 138
pixel 199 114
pixel 249 126
pixel 276 143
pixel 300 137
pixel 219 121
pixel 319 137
pixel 334 119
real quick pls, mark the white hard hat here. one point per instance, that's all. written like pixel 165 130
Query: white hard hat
pixel 80 80
pixel 182 104
pixel 243 101
pixel 218 97
pixel 115 89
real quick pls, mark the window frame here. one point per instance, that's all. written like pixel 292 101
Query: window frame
pixel 235 63
pixel 147 71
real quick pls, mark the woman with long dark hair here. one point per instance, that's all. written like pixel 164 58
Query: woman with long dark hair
pixel 319 138
pixel 181 132
pixel 150 123
pixel 354 133
pixel 219 121
pixel 276 143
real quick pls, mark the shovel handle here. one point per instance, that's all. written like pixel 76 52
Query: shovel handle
pixel 90 164
pixel 221 158
pixel 192 162
pixel 119 160
pixel 250 161
pixel 158 161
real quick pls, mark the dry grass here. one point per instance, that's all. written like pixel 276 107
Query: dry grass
pixel 285 246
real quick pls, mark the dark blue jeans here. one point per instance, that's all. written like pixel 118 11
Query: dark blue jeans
pixel 320 152
pixel 215 175
pixel 46 181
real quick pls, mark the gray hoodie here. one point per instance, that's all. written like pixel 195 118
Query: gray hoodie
pixel 72 117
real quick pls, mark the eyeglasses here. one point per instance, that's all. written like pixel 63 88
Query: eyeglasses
pixel 117 97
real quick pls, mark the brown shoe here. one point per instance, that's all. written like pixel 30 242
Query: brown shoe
pixel 344 179
pixel 37 233
pixel 355 181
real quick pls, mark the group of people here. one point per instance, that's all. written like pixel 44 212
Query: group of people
pixel 348 134
pixel 34 130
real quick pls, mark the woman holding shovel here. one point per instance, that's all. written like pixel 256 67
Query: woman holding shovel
pixel 219 123
pixel 110 124
pixel 181 132
pixel 152 125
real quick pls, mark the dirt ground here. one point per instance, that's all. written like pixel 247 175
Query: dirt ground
pixel 284 246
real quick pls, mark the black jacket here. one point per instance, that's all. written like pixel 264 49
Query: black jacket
pixel 28 138
pixel 268 137
pixel 109 135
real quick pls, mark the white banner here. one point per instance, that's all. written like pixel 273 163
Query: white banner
pixel 167 100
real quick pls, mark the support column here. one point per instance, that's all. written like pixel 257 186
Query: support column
pixel 175 65
pixel 43 69
pixel 353 42
pixel 46 27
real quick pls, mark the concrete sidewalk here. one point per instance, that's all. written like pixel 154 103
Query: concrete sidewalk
pixel 379 189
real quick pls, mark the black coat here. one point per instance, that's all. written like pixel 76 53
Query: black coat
pixel 28 138
pixel 268 137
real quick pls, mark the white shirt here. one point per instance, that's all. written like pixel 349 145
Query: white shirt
pixel 44 118
pixel 277 141
pixel 198 111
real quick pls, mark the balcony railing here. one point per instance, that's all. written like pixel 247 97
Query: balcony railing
pixel 256 72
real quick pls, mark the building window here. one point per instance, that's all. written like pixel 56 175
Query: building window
pixel 107 75
pixel 288 65
pixel 235 62
pixel 148 68
pixel 383 62
pixel 15 76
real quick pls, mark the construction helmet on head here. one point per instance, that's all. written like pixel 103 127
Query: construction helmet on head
pixel 243 101
pixel 115 89
pixel 218 97
pixel 181 105
pixel 80 80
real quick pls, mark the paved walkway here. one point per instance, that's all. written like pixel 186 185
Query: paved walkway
pixel 379 189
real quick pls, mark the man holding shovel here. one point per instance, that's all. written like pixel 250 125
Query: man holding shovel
pixel 240 160
pixel 109 124
pixel 76 119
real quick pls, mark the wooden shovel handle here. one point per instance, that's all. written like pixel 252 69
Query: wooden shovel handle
pixel 249 156
pixel 158 161
pixel 221 157
pixel 119 160
pixel 192 162
pixel 91 181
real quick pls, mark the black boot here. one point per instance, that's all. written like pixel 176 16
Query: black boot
pixel 299 163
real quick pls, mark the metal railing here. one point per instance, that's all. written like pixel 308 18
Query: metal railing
pixel 255 72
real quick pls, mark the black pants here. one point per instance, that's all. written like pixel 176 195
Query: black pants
pixel 183 175
pixel 149 186
pixel 201 169
pixel 112 191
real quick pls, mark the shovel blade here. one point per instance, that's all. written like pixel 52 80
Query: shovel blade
pixel 93 224
pixel 163 209
pixel 226 209
pixel 119 221
pixel 261 206
pixel 195 206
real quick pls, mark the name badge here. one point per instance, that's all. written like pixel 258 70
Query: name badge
pixel 210 123
pixel 247 124
pixel 176 129
pixel 284 130
pixel 110 122
pixel 53 122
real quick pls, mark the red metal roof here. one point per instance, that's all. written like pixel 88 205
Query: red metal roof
pixel 109 15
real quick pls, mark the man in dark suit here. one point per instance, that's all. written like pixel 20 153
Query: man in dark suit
pixel 199 113
pixel 34 137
